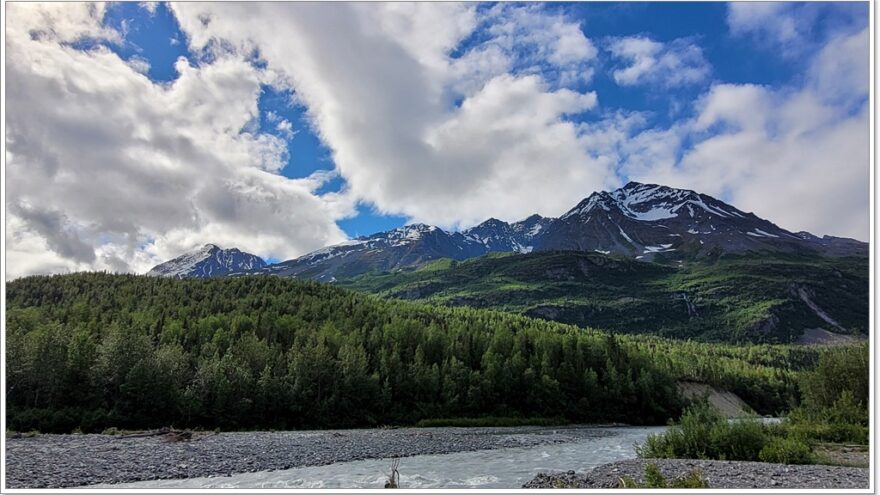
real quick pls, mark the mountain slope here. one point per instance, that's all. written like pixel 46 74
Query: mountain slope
pixel 208 261
pixel 766 298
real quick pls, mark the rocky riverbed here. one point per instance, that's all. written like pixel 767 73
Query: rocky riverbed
pixel 55 461
pixel 719 474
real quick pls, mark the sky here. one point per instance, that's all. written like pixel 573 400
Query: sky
pixel 138 131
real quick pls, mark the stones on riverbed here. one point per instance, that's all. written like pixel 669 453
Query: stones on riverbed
pixel 720 474
pixel 58 461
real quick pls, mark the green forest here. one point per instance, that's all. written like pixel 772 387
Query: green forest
pixel 91 351
pixel 735 298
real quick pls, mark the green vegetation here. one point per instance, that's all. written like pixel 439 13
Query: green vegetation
pixel 733 298
pixel 783 450
pixel 834 409
pixel 835 398
pixel 703 433
pixel 94 351
pixel 655 479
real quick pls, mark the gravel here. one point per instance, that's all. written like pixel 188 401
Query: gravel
pixel 57 461
pixel 719 474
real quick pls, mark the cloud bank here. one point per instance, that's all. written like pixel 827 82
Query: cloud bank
pixel 444 113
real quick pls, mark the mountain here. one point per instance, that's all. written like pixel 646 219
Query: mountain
pixel 766 297
pixel 649 221
pixel 518 237
pixel 208 261
pixel 646 222
pixel 412 245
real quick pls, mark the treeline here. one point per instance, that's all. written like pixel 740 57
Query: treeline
pixel 92 350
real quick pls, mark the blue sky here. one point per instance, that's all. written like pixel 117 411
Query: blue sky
pixel 320 122
pixel 157 38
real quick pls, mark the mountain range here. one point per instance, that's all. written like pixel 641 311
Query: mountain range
pixel 645 222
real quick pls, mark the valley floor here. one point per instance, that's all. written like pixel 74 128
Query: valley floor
pixel 719 474
pixel 489 457
pixel 55 461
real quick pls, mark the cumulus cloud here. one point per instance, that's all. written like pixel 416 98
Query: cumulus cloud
pixel 676 63
pixel 789 28
pixel 772 21
pixel 445 113
pixel 796 155
pixel 397 135
pixel 538 42
pixel 112 171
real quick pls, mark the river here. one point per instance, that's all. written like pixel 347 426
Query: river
pixel 497 468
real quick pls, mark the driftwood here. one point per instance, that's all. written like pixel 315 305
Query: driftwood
pixel 178 436
pixel 168 434
pixel 151 433
pixel 394 477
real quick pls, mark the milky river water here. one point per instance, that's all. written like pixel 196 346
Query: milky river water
pixel 498 468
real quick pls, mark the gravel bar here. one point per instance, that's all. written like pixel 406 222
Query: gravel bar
pixel 58 461
pixel 719 474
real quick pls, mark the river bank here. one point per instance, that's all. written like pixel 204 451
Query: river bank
pixel 719 474
pixel 56 461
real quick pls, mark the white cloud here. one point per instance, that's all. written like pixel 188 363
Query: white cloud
pixel 150 6
pixel 446 113
pixel 111 171
pixel 791 29
pixel 775 22
pixel 380 91
pixel 536 41
pixel 61 22
pixel 798 156
pixel 675 63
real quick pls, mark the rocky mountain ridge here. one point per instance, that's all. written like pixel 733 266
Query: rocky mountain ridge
pixel 647 222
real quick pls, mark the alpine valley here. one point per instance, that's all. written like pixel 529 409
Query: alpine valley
pixel 644 258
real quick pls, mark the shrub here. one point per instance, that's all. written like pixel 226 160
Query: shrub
pixel 741 440
pixel 703 433
pixel 786 451
pixel 655 479
pixel 828 432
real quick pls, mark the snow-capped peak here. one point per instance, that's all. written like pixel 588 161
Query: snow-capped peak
pixel 652 202
pixel 209 260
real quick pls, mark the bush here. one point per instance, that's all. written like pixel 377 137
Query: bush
pixel 703 433
pixel 787 451
pixel 741 440
pixel 827 432
pixel 655 479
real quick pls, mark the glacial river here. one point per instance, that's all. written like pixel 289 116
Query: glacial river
pixel 498 468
